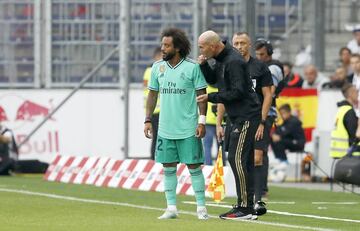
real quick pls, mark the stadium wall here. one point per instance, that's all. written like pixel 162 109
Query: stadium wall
pixel 89 124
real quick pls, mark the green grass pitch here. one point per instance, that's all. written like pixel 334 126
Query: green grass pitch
pixel 28 203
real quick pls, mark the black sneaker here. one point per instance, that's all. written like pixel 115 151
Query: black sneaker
pixel 237 213
pixel 260 208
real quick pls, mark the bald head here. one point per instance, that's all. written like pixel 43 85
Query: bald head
pixel 209 37
pixel 210 44
pixel 310 67
pixel 310 73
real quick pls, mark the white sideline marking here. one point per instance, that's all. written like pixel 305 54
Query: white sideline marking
pixel 290 214
pixel 281 202
pixel 69 198
pixel 293 202
pixel 334 203
pixel 267 202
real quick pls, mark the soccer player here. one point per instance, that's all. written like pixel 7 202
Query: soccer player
pixel 178 80
pixel 237 94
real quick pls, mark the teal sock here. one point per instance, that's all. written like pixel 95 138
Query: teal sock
pixel 170 183
pixel 198 184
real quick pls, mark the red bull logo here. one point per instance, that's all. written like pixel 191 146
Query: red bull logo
pixel 28 110
pixel 3 114
pixel 14 109
pixel 22 116
pixel 47 143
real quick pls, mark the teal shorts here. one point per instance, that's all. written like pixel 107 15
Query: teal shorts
pixel 187 151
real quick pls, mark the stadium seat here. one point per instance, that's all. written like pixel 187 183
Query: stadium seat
pixel 219 16
pixel 184 25
pixel 4 79
pixel 55 16
pixel 277 2
pixel 112 64
pixel 151 37
pixel 152 16
pixel 276 21
pixel 25 79
pixel 24 58
pixel 282 2
pixel 184 16
pixel 107 79
pixel 22 39
pixel 75 79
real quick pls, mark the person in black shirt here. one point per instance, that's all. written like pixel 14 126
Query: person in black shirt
pixel 242 106
pixel 262 80
pixel 264 52
pixel 290 135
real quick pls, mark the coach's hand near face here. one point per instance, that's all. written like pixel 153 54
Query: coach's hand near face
pixel 202 98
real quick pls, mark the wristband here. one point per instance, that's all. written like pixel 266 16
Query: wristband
pixel 147 119
pixel 263 122
pixel 202 119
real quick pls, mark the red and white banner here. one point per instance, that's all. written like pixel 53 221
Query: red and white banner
pixel 145 175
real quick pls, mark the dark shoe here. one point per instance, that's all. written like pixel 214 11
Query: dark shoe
pixel 237 213
pixel 260 208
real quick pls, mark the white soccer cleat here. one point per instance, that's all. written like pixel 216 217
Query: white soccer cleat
pixel 202 213
pixel 169 214
pixel 282 166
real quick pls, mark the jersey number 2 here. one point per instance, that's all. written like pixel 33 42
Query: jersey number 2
pixel 160 142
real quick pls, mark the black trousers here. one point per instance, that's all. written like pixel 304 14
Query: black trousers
pixel 241 159
pixel 286 144
pixel 155 126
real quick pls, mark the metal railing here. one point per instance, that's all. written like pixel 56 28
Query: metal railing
pixel 17 44
pixel 55 43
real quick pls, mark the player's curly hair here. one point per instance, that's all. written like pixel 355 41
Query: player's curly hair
pixel 180 40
